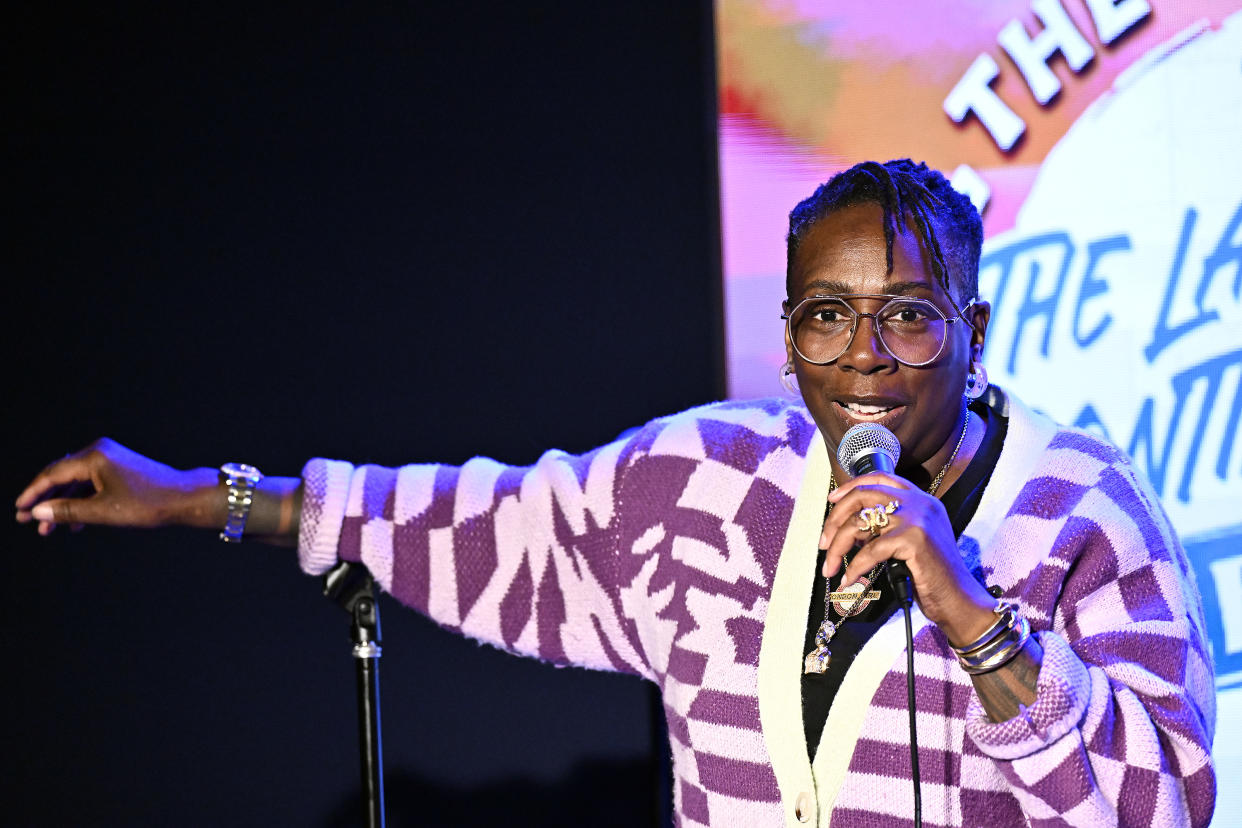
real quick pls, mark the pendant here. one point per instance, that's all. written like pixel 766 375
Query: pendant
pixel 816 661
pixel 853 599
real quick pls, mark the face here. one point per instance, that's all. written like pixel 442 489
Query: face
pixel 845 253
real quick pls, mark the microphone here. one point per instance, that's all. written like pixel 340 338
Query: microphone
pixel 869 447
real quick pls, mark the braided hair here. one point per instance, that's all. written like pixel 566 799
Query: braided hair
pixel 947 224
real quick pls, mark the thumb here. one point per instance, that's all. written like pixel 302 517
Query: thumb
pixel 70 510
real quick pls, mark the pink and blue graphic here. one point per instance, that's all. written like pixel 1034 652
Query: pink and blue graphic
pixel 1100 140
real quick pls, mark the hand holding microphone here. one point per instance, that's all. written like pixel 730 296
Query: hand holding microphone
pixel 866 448
pixel 891 520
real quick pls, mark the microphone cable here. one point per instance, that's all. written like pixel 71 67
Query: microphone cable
pixel 899 580
pixel 870 447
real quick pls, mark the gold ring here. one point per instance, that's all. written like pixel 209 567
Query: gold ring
pixel 873 519
pixel 892 506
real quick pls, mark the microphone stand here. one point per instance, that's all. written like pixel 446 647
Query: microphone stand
pixel 351 587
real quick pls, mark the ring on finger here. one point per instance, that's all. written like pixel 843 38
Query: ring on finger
pixel 873 519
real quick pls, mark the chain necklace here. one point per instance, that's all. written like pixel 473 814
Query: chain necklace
pixel 860 594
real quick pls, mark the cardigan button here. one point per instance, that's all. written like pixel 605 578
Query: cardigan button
pixel 804 808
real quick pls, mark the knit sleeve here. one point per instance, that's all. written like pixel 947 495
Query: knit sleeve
pixel 524 558
pixel 1120 731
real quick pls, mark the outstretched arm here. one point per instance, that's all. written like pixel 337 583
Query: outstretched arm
pixel 108 484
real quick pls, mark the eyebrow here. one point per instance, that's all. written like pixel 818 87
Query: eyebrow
pixel 903 288
pixel 895 288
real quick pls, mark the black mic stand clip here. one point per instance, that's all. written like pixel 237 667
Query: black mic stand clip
pixel 351 587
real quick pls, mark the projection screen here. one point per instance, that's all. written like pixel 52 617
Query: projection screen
pixel 1100 140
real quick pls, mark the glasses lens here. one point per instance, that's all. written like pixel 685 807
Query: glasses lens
pixel 821 329
pixel 912 330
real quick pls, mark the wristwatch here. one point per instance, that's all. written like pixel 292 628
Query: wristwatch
pixel 241 480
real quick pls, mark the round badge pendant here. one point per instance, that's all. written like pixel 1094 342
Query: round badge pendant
pixel 855 598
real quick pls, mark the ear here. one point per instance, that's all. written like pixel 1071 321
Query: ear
pixel 979 315
pixel 789 351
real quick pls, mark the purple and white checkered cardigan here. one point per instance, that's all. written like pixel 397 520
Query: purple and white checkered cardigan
pixel 685 554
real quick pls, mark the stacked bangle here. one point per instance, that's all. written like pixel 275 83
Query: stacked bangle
pixel 998 645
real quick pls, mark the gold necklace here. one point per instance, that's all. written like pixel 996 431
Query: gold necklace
pixel 860 593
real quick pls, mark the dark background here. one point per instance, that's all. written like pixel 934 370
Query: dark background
pixel 387 233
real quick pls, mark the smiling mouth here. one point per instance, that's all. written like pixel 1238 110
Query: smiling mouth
pixel 865 412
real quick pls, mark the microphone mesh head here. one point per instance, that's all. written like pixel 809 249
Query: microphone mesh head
pixel 866 438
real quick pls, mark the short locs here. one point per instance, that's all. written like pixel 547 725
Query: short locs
pixel 947 224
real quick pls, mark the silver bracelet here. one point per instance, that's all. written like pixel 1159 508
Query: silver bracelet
pixel 1006 617
pixel 1000 652
pixel 240 480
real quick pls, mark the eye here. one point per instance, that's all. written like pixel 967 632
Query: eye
pixel 907 313
pixel 828 313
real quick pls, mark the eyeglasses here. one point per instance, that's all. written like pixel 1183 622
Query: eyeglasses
pixel 912 330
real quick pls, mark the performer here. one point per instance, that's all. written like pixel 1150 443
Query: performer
pixel 1062 670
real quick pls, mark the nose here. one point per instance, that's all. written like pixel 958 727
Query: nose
pixel 865 352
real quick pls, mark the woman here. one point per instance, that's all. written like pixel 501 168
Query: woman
pixel 725 553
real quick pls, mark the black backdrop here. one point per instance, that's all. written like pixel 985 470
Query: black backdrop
pixel 383 232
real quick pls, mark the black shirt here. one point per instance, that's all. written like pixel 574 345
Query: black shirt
pixel 960 502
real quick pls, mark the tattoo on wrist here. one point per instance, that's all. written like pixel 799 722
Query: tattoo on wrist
pixel 1005 690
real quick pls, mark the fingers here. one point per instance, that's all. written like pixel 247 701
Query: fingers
pixel 867 481
pixel 59 511
pixel 74 469
pixel 57 494
pixel 843 529
pixel 76 512
pixel 844 513
pixel 875 551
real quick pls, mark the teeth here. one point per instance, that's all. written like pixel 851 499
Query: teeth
pixel 866 409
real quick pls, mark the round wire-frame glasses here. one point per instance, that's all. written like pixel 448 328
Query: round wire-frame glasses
pixel 913 330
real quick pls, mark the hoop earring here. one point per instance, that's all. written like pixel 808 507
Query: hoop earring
pixel 976 381
pixel 789 380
